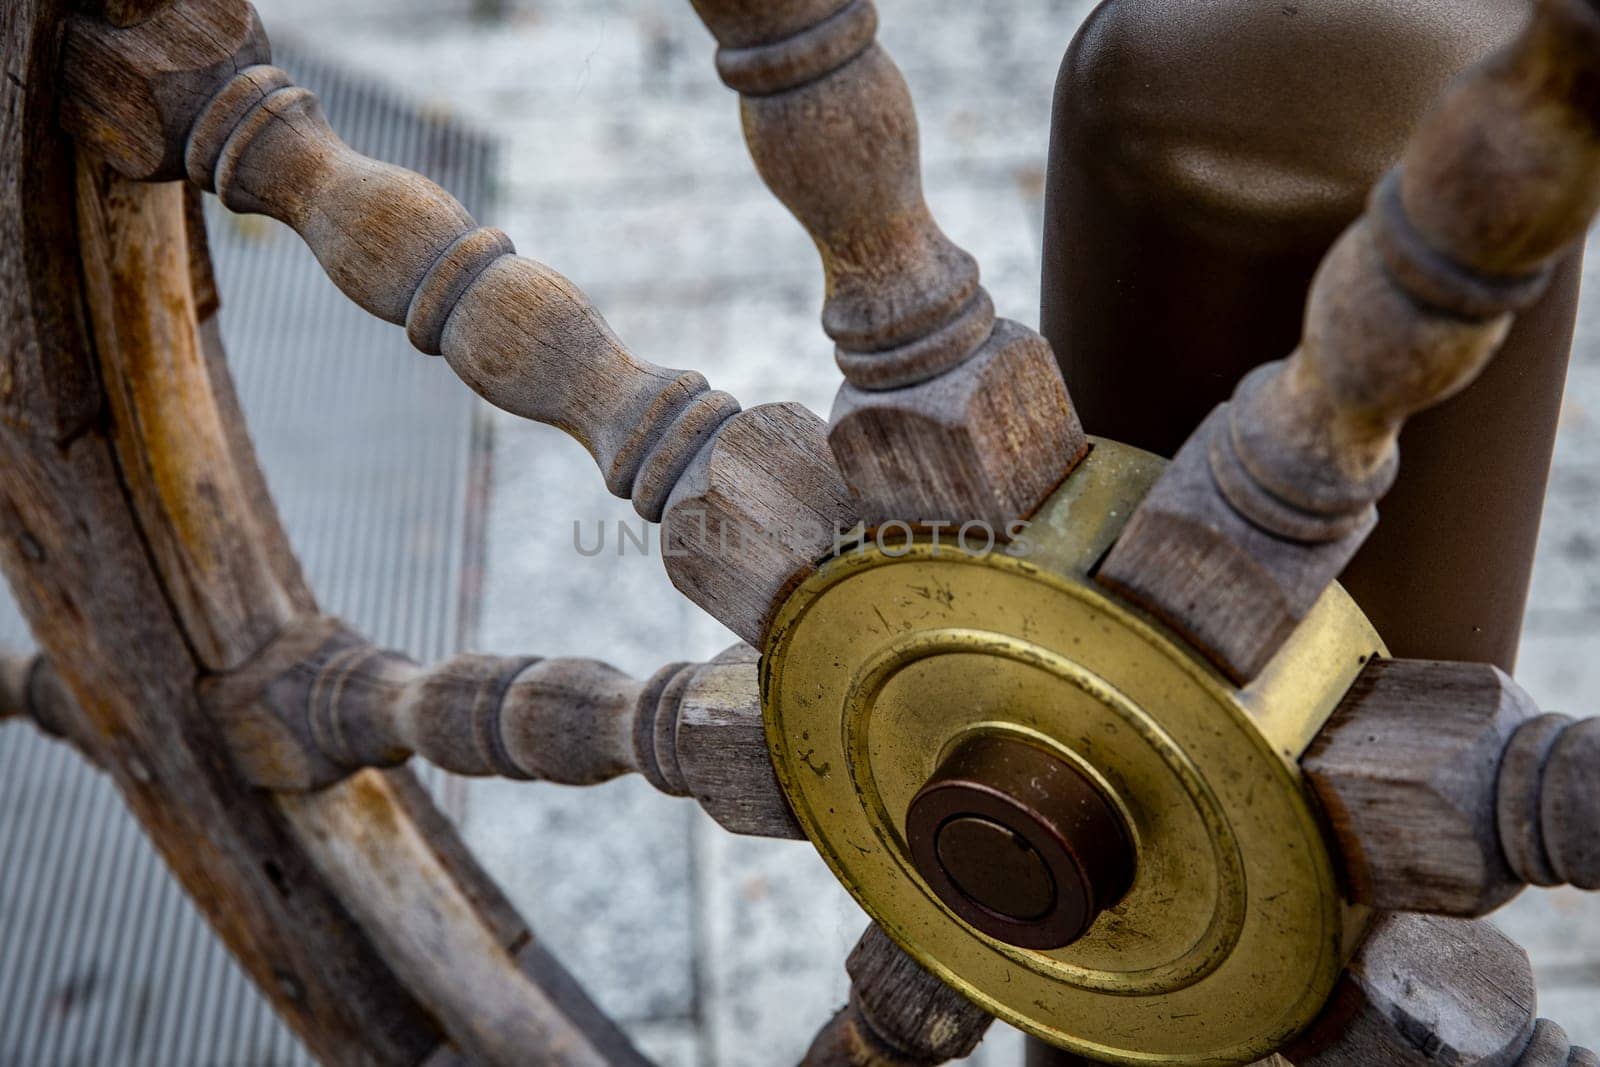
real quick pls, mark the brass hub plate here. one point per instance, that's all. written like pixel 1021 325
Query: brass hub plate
pixel 1234 931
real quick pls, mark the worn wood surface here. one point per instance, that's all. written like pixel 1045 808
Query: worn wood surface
pixel 47 378
pixel 943 415
pixel 187 91
pixel 1548 802
pixel 77 562
pixel 215 543
pixel 1426 990
pixel 753 513
pixel 322 703
pixel 124 546
pixel 899 1015
pixel 183 465
pixel 1272 496
pixel 1448 792
pixel 1406 772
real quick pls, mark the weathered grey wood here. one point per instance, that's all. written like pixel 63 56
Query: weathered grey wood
pixel 127 12
pixel 1448 792
pixel 1406 772
pixel 136 594
pixel 322 703
pixel 720 745
pixel 187 91
pixel 753 513
pixel 48 387
pixel 438 941
pixel 899 1015
pixel 1274 493
pixel 1549 802
pixel 176 450
pixel 139 119
pixel 227 572
pixel 1425 990
pixel 544 969
pixel 945 414
pixel 74 553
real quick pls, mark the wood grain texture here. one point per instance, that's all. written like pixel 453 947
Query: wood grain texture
pixel 898 1015
pixel 1548 802
pixel 188 92
pixel 74 552
pixel 127 12
pixel 322 703
pixel 1235 591
pixel 201 534
pixel 1448 792
pixel 178 456
pixel 438 941
pixel 1425 991
pixel 943 416
pixel 752 514
pixel 1407 771
pixel 1496 186
pixel 126 582
pixel 40 307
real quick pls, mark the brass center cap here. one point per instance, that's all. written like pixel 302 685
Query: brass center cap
pixel 1019 843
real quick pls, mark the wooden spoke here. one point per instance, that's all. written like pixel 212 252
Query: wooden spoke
pixel 899 1015
pixel 1273 494
pixel 1449 792
pixel 752 498
pixel 322 703
pixel 1425 990
pixel 143 551
pixel 945 414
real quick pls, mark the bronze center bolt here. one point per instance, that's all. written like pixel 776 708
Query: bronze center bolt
pixel 1019 843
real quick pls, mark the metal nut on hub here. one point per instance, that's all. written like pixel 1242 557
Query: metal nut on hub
pixel 1019 843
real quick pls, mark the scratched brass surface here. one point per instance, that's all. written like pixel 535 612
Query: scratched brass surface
pixel 1233 933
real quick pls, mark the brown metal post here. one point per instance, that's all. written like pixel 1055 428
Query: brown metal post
pixel 1203 159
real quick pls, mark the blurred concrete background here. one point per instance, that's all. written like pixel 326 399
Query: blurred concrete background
pixel 622 165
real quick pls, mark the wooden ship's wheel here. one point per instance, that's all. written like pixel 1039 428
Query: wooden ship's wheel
pixel 1097 741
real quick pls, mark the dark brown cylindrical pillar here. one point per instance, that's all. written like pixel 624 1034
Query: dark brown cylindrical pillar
pixel 1204 157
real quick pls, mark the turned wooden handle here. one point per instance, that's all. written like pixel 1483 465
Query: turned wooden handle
pixel 1548 802
pixel 898 1015
pixel 1497 184
pixel 831 127
pixel 322 703
pixel 1276 491
pixel 187 92
pixel 945 413
pixel 402 248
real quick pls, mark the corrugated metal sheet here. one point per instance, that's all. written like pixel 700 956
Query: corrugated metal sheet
pixel 374 454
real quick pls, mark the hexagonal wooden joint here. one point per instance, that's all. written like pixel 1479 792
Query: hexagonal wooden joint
pixel 1407 772
pixel 755 511
pixel 988 440
pixel 1423 991
pixel 133 93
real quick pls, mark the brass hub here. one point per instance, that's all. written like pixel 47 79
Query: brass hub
pixel 1212 930
pixel 1020 844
